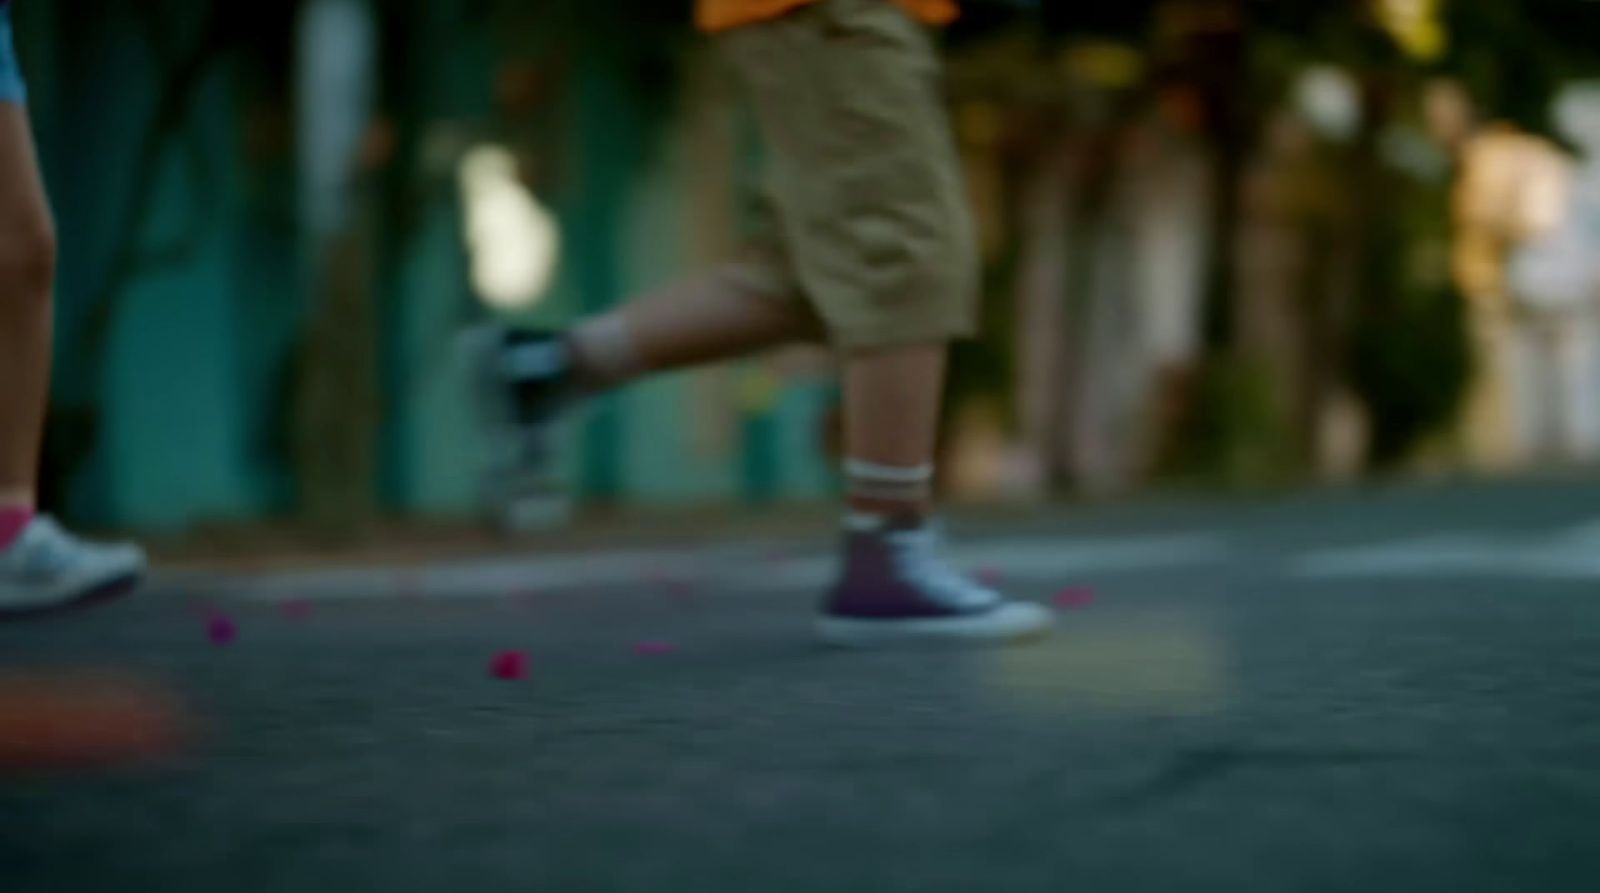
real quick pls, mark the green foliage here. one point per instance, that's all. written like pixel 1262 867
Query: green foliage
pixel 1411 364
pixel 1410 359
pixel 1513 55
pixel 642 43
pixel 1234 431
pixel 983 369
pixel 1507 63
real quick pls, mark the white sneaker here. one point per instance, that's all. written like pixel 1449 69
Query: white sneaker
pixel 48 569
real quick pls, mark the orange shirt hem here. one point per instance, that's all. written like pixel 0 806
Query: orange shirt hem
pixel 722 15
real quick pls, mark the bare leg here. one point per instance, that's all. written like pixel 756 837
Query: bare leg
pixel 27 267
pixel 42 568
pixel 892 400
pixel 715 317
pixel 895 586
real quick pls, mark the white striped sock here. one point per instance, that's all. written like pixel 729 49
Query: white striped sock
pixel 890 483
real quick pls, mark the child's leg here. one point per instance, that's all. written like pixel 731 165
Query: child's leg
pixel 867 183
pixel 27 259
pixel 892 399
pixel 730 312
pixel 41 567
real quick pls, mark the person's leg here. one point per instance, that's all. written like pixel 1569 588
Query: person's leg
pixel 42 568
pixel 865 177
pixel 892 399
pixel 730 312
pixel 895 585
pixel 27 259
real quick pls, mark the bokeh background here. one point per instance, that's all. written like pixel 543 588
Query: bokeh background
pixel 1228 243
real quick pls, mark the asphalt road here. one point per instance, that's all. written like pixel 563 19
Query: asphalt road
pixel 1361 691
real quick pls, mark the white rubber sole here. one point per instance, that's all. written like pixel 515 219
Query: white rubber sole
pixel 1007 624
pixel 122 569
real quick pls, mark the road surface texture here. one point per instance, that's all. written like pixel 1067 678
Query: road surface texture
pixel 1375 690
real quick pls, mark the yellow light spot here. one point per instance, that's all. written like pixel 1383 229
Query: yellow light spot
pixel 1166 665
pixel 1108 65
pixel 513 240
pixel 1414 25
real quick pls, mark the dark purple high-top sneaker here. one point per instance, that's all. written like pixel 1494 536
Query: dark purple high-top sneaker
pixel 894 587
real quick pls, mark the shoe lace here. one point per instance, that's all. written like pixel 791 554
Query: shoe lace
pixel 50 550
pixel 918 562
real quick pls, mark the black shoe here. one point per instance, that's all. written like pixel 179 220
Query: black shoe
pixel 538 374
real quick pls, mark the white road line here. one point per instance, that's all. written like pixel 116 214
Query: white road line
pixel 1422 556
pixel 1569 554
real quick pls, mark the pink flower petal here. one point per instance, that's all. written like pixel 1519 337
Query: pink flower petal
pixel 654 649
pixel 1074 597
pixel 221 630
pixel 509 666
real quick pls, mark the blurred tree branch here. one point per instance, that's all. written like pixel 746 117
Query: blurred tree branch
pixel 178 78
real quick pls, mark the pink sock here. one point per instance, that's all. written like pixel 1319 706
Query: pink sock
pixel 13 520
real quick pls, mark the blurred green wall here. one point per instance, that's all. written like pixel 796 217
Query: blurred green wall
pixel 188 379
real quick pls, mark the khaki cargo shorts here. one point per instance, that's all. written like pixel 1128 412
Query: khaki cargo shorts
pixel 866 217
